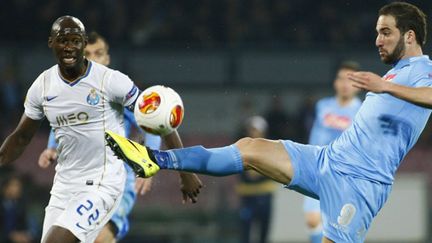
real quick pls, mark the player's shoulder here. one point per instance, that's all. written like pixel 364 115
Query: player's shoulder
pixel 45 75
pixel 421 69
pixel 421 65
pixel 113 73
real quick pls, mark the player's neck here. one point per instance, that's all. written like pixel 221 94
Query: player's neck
pixel 72 74
pixel 344 101
pixel 414 51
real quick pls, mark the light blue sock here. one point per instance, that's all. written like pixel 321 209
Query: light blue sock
pixel 216 161
pixel 316 236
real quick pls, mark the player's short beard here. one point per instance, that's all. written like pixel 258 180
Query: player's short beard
pixel 397 53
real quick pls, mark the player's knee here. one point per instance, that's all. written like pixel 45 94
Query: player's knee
pixel 313 222
pixel 249 148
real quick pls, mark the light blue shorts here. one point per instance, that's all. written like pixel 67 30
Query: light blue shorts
pixel 348 204
pixel 120 217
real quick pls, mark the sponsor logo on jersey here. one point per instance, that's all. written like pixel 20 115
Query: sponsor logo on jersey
pixel 93 98
pixel 337 121
pixel 74 118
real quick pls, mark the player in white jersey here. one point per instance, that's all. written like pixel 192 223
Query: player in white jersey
pixel 81 99
pixel 97 50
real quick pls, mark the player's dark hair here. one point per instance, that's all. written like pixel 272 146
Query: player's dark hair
pixel 93 37
pixel 408 17
pixel 350 65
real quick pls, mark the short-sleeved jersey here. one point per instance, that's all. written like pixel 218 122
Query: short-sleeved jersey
pixel 331 119
pixel 80 112
pixel 385 128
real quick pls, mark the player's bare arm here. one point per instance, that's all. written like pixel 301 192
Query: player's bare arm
pixel 190 184
pixel 421 96
pixel 16 142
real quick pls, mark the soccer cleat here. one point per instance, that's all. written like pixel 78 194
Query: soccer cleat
pixel 138 157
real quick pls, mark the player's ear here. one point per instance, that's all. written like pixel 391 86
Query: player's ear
pixel 50 42
pixel 410 37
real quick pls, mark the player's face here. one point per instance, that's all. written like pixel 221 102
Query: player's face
pixel 343 85
pixel 390 42
pixel 97 52
pixel 68 49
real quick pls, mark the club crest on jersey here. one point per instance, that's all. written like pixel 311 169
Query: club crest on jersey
pixel 93 98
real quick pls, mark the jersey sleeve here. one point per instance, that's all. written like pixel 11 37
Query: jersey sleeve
pixel 120 89
pixel 33 104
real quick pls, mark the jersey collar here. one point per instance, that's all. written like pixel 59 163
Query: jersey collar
pixel 78 79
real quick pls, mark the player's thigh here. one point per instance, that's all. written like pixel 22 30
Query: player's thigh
pixel 57 234
pixel 268 157
pixel 51 215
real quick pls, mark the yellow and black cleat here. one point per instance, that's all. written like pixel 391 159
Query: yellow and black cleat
pixel 134 154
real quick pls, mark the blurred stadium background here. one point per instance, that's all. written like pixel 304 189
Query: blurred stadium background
pixel 229 60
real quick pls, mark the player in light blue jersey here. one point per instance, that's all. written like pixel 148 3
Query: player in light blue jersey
pixel 332 116
pixel 117 228
pixel 352 176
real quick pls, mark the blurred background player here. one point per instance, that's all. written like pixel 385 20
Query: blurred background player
pixel 14 222
pixel 256 192
pixel 97 50
pixel 332 116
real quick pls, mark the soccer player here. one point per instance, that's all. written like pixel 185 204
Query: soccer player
pixel 97 50
pixel 332 116
pixel 81 99
pixel 352 176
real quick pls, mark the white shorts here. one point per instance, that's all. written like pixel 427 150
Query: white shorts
pixel 84 212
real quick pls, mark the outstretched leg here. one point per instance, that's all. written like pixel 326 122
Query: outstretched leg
pixel 267 157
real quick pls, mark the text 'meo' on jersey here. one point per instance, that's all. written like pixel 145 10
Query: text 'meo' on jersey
pixel 331 119
pixel 80 112
pixel 385 128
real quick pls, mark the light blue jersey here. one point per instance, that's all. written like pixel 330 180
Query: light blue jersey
pixel 120 219
pixel 385 127
pixel 331 119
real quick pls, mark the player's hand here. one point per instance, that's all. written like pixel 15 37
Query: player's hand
pixel 368 81
pixel 190 186
pixel 47 157
pixel 143 185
